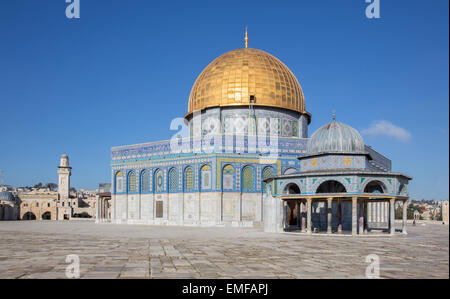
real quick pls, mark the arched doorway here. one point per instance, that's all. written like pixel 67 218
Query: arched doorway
pixel 28 216
pixel 47 216
pixel 331 187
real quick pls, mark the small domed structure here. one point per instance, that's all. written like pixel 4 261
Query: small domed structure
pixel 335 137
pixel 7 196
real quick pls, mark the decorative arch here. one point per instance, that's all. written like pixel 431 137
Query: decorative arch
pixel 173 180
pixel 131 182
pixel 331 186
pixel 188 179
pixel 290 170
pixel 144 181
pixel 375 186
pixel 228 178
pixel 341 180
pixel 248 175
pixel 383 186
pixel 158 181
pixel 205 177
pixel 118 179
pixel 291 188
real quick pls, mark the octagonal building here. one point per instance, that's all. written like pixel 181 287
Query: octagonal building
pixel 246 155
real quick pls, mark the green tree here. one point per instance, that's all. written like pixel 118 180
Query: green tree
pixel 52 186
pixel 38 186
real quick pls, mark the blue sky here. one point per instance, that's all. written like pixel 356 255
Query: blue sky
pixel 124 70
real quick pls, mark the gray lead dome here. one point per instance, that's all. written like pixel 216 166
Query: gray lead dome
pixel 5 195
pixel 335 137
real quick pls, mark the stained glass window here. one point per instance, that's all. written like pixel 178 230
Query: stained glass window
pixel 228 178
pixel 173 180
pixel 267 173
pixel 119 182
pixel 247 179
pixel 189 179
pixel 144 181
pixel 131 182
pixel 206 177
pixel 158 181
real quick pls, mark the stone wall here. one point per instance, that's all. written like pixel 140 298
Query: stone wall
pixel 196 209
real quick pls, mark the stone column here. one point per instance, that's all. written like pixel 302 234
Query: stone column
pixel 303 218
pixel 392 216
pixel 285 211
pixel 98 209
pixel 366 216
pixel 405 214
pixel 361 216
pixel 309 214
pixel 330 215
pixel 339 216
pixel 299 211
pixel 354 215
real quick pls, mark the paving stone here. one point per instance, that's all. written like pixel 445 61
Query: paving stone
pixel 38 250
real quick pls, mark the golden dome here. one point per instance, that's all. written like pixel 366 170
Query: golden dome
pixel 232 78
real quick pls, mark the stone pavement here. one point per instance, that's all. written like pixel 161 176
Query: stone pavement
pixel 30 249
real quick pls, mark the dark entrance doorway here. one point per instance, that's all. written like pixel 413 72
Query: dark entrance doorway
pixel 29 216
pixel 47 216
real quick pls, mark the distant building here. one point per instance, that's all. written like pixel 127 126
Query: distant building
pixel 9 208
pixel 102 188
pixel 45 204
pixel 444 211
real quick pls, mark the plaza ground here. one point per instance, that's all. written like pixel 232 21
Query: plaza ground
pixel 30 249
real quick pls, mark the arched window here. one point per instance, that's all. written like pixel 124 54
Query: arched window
pixel 159 182
pixel 119 182
pixel 205 173
pixel 267 173
pixel 131 182
pixel 173 180
pixel 228 178
pixel 144 181
pixel 188 179
pixel 247 179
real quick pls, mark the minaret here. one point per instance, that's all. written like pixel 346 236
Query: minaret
pixel 64 172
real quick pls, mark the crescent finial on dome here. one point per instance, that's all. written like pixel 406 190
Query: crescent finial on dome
pixel 246 37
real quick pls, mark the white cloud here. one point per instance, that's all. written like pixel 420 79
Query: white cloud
pixel 386 128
